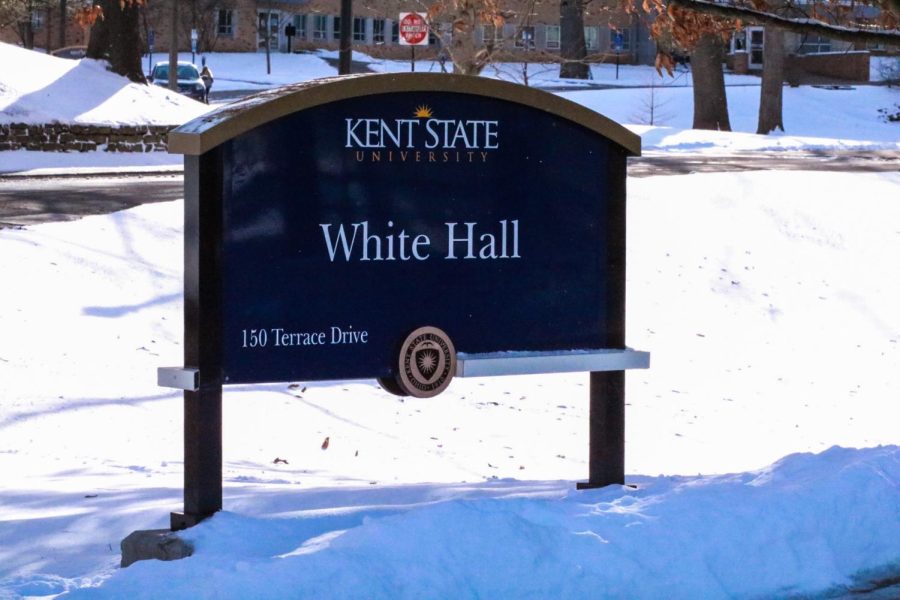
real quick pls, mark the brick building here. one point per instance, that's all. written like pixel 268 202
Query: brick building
pixel 532 31
pixel 241 26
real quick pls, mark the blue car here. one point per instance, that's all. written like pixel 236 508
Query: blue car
pixel 189 82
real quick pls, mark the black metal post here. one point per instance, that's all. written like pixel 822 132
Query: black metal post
pixel 606 458
pixel 346 34
pixel 606 455
pixel 412 59
pixel 202 339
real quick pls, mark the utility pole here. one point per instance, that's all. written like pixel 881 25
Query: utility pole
pixel 346 37
pixel 173 47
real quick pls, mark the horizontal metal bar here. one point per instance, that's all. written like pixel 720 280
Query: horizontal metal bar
pixel 570 361
pixel 180 378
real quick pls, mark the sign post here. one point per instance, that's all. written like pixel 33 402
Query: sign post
pixel 618 44
pixel 413 31
pixel 290 31
pixel 510 222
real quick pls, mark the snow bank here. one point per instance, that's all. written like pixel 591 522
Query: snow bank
pixel 805 524
pixel 37 88
pixel 814 119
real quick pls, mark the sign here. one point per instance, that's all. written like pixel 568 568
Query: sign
pixel 618 41
pixel 420 208
pixel 349 224
pixel 151 39
pixel 403 227
pixel 194 35
pixel 413 29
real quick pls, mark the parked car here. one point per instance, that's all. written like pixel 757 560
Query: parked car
pixel 189 82
pixel 73 52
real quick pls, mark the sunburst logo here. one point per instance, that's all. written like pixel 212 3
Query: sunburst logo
pixel 423 112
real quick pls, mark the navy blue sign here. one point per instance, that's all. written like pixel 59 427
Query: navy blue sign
pixel 349 224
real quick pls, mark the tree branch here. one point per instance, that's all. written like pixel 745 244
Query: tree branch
pixel 890 37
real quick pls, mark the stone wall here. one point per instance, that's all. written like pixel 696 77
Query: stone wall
pixel 60 137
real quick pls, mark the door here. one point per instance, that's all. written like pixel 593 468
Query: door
pixel 757 37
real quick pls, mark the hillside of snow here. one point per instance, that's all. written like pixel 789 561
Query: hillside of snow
pixel 38 88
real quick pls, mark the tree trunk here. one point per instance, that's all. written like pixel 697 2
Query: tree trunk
pixel 125 42
pixel 118 35
pixel 710 102
pixel 467 58
pixel 62 23
pixel 26 33
pixel 572 49
pixel 771 91
pixel 98 44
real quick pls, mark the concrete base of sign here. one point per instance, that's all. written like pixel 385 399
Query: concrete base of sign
pixel 158 544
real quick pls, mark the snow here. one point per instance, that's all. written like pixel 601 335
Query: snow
pixel 37 88
pixel 762 441
pixel 770 315
pixel 36 164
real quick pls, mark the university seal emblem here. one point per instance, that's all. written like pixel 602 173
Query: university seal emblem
pixel 427 362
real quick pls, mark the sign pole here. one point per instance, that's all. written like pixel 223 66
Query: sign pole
pixel 202 341
pixel 606 454
pixel 412 60
pixel 345 55
pixel 606 422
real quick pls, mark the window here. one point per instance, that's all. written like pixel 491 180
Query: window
pixel 432 37
pixel 552 37
pixel 268 25
pixel 37 19
pixel 591 38
pixel 359 29
pixel 336 29
pixel 225 23
pixel 525 38
pixel 756 40
pixel 814 44
pixel 319 27
pixel 739 41
pixel 300 26
pixel 378 31
pixel 492 35
pixel 395 32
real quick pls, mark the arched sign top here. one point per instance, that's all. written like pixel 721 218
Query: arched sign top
pixel 213 129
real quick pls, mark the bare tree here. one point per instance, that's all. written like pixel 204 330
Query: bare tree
pixel 572 47
pixel 465 16
pixel 710 101
pixel 116 36
pixel 771 90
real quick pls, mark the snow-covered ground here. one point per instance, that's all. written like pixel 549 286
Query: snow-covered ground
pixel 658 108
pixel 37 88
pixel 762 440
pixel 768 302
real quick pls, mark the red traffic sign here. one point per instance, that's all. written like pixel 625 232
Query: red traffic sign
pixel 413 29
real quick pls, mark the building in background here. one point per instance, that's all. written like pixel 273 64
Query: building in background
pixel 531 33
